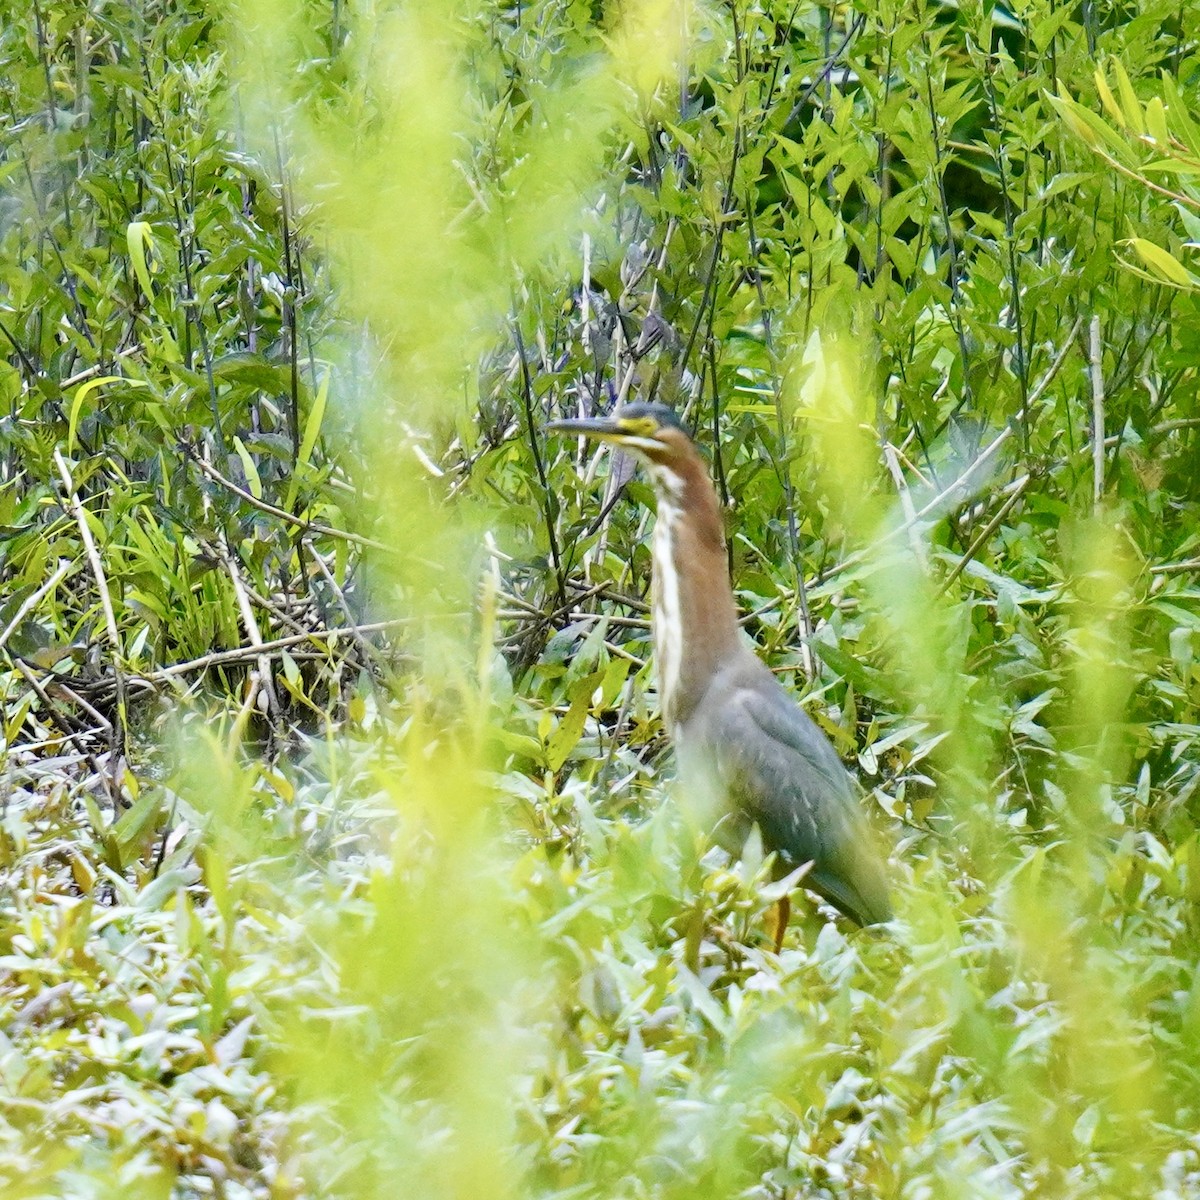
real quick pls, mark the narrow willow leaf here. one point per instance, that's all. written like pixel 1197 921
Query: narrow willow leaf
pixel 139 238
pixel 1107 99
pixel 1172 166
pixel 566 737
pixel 1088 126
pixel 81 394
pixel 1161 262
pixel 252 480
pixel 1186 130
pixel 312 427
pixel 1130 105
pixel 1156 121
pixel 138 819
pixel 312 431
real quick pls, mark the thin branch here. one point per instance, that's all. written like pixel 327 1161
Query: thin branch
pixel 831 61
pixel 1097 373
pixel 539 465
pixel 33 601
pixel 340 597
pixel 966 478
pixel 242 654
pixel 285 516
pixel 906 504
pixel 1179 568
pixel 77 735
pixel 1129 172
pixel 264 682
pixel 1017 488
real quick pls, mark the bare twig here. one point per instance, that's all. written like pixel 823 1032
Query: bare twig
pixel 39 1004
pixel 1097 372
pixel 1056 365
pixel 78 736
pixel 1017 488
pixel 285 516
pixel 1164 427
pixel 363 649
pixel 1145 181
pixel 964 484
pixel 96 368
pixel 280 613
pixel 76 698
pixel 906 504
pixel 241 654
pixel 265 681
pixel 33 601
pixel 578 615
pixel 832 58
pixel 535 450
pixel 943 496
pixel 1179 568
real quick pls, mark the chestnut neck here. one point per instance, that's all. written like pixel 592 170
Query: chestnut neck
pixel 695 617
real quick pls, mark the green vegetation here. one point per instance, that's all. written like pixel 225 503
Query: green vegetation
pixel 337 852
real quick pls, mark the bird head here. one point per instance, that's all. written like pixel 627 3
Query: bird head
pixel 652 433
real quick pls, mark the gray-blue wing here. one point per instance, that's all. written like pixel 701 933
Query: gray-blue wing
pixel 779 769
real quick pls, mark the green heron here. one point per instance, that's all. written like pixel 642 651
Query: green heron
pixel 747 754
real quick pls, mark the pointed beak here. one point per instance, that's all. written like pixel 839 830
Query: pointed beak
pixel 603 429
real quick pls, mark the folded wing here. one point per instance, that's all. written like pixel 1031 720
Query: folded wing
pixel 780 770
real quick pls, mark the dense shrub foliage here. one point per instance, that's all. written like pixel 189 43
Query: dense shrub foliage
pixel 338 855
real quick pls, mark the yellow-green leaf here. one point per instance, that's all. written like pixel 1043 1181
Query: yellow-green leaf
pixel 1177 109
pixel 140 239
pixel 1156 122
pixel 312 427
pixel 1107 99
pixel 1130 105
pixel 291 671
pixel 1162 263
pixel 252 479
pixel 312 430
pixel 135 822
pixel 565 738
pixel 81 394
pixel 615 675
pixel 1089 127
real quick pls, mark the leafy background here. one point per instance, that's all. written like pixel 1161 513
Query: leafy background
pixel 337 853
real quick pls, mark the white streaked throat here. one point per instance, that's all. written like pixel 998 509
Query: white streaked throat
pixel 668 622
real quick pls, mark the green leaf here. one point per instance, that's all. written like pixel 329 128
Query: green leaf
pixel 566 735
pixel 865 680
pixel 1156 122
pixel 312 431
pixel 255 371
pixel 1163 263
pixel 1107 99
pixel 83 391
pixel 1130 105
pixel 137 820
pixel 152 897
pixel 140 241
pixel 253 482
pixel 615 675
pixel 312 427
